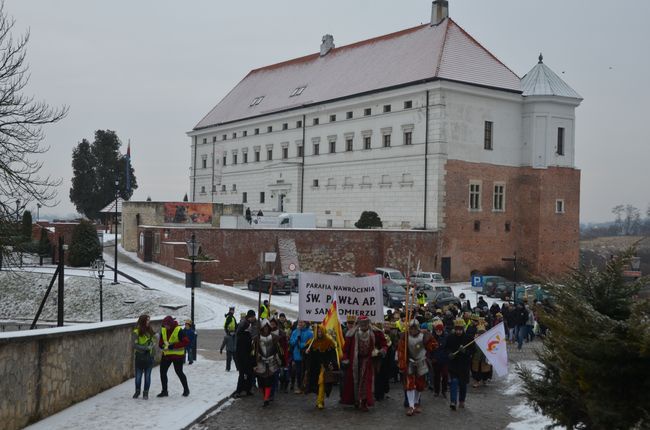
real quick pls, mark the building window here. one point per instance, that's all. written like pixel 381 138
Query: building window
pixel 316 148
pixel 348 144
pixel 559 206
pixel 475 196
pixel 262 197
pixel 498 199
pixel 245 133
pixel 285 126
pixel 408 104
pixel 386 139
pixel 234 158
pixel 269 129
pixel 332 147
pixel 204 163
pixel 234 135
pixel 285 153
pixel 332 118
pixel 387 108
pixel 408 138
pixel 205 140
pixel 329 223
pixel 297 91
pixel 301 152
pixel 257 131
pixel 315 121
pixel 214 139
pixel 349 115
pixel 487 138
pixel 223 161
pixel 214 188
pixel 244 197
pixel 477 225
pixel 560 141
pixel 256 101
pixel 257 155
pixel 223 188
pixel 245 160
pixel 269 154
pixel 202 189
pixel 315 183
pixel 367 112
pixel 234 187
pixel 367 142
pixel 507 226
pixel 224 137
pixel 298 124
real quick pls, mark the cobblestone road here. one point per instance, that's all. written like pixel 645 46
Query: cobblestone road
pixel 486 408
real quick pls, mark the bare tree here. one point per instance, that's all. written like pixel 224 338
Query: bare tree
pixel 21 135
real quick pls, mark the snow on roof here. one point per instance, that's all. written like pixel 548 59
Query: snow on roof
pixel 542 81
pixel 110 208
pixel 410 56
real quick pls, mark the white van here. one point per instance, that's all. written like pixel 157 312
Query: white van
pixel 392 274
pixel 431 277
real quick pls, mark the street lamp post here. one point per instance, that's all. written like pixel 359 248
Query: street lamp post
pixel 99 265
pixel 193 251
pixel 17 210
pixel 117 195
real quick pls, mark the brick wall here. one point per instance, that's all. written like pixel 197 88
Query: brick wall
pixel 357 251
pixel 547 241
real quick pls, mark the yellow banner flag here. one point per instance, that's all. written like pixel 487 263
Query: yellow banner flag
pixel 333 327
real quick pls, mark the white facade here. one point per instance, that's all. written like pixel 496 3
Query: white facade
pixel 401 176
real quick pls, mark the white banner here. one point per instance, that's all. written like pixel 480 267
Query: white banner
pixel 493 345
pixel 355 296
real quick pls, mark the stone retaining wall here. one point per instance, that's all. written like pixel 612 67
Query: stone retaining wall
pixel 44 371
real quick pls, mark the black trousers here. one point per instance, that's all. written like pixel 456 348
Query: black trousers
pixel 178 368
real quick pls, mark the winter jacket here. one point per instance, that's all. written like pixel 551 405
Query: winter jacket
pixel 459 363
pixel 298 342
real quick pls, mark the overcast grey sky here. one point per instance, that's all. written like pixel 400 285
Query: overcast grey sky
pixel 150 70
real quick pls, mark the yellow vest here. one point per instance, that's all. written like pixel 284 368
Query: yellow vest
pixel 142 339
pixel 265 312
pixel 172 340
pixel 232 325
pixel 422 299
pixel 401 327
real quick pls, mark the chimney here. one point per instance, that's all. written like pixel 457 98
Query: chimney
pixel 439 11
pixel 327 45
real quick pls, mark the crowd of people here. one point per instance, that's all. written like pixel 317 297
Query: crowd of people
pixel 433 350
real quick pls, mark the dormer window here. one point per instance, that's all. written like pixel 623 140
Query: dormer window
pixel 256 101
pixel 297 91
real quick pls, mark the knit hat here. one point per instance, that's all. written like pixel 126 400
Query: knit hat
pixel 250 313
pixel 168 320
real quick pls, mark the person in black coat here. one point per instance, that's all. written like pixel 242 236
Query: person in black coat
pixel 244 360
pixel 460 354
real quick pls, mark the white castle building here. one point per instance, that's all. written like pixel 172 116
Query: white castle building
pixel 423 126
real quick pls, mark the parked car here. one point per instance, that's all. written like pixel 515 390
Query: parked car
pixel 443 298
pixel 281 284
pixel 531 293
pixel 421 285
pixel 394 295
pixel 505 291
pixel 490 284
pixel 432 277
pixel 392 274
pixel 348 274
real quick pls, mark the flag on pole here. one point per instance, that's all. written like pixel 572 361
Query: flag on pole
pixel 332 325
pixel 493 345
pixel 128 168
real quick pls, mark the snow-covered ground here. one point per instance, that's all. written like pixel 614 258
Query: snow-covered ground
pixel 527 418
pixel 209 384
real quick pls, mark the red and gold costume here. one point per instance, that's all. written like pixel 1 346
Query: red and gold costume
pixel 412 361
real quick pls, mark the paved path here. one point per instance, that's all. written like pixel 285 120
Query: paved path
pixel 487 408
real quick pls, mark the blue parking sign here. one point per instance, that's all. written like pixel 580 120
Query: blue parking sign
pixel 477 281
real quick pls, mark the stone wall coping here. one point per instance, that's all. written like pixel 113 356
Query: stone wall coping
pixel 31 335
pixel 350 230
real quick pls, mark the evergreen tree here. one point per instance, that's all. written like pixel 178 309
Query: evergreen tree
pixel 26 230
pixel 185 198
pixel 368 219
pixel 96 167
pixel 594 364
pixel 84 247
pixel 44 246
